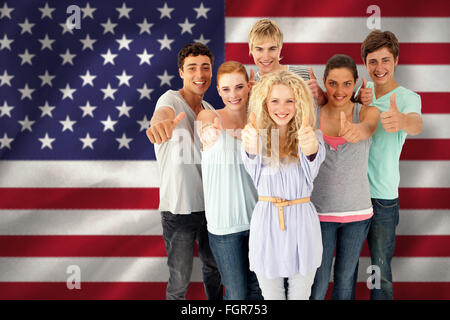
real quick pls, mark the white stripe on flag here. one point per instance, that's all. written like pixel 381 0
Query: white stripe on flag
pixel 148 222
pixel 80 222
pixel 435 126
pixel 424 174
pixel 79 174
pixel 135 174
pixel 352 30
pixel 424 222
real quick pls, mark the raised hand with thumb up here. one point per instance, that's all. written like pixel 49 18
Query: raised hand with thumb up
pixel 307 139
pixel 348 130
pixel 313 84
pixel 365 94
pixel 392 120
pixel 161 131
pixel 251 79
pixel 250 136
pixel 316 90
pixel 210 132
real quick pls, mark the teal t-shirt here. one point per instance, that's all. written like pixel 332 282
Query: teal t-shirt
pixel 384 157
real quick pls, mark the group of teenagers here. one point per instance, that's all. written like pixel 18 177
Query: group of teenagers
pixel 291 176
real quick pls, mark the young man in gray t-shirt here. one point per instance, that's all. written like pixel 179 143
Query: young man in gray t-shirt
pixel 181 191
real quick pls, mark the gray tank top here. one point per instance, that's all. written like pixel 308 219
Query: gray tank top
pixel 342 186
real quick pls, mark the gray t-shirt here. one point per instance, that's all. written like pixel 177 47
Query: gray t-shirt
pixel 179 160
pixel 341 189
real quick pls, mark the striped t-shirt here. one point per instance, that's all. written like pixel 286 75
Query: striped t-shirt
pixel 301 71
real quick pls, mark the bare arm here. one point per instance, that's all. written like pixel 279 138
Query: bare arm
pixel 208 128
pixel 369 116
pixel 316 90
pixel 411 123
pixel 162 124
pixel 205 117
pixel 354 132
pixel 393 120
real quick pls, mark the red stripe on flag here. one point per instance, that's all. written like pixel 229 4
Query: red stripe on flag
pixel 332 8
pixel 82 246
pixel 93 291
pixel 417 246
pixel 424 198
pixel 319 53
pixel 147 198
pixel 406 290
pixel 79 198
pixel 156 291
pixel 435 102
pixel 153 246
pixel 426 149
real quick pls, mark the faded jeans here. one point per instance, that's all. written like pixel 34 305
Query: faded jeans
pixel 231 254
pixel 348 239
pixel 180 232
pixel 381 240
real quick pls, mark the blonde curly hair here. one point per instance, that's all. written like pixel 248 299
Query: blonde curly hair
pixel 304 105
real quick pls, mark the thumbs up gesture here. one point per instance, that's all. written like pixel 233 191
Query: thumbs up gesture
pixel 349 131
pixel 392 120
pixel 162 131
pixel 313 85
pixel 210 132
pixel 365 94
pixel 317 92
pixel 307 139
pixel 251 79
pixel 250 136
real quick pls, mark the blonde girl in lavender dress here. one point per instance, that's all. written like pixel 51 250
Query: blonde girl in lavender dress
pixel 282 154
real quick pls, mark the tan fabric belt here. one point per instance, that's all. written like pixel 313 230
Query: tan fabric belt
pixel 280 203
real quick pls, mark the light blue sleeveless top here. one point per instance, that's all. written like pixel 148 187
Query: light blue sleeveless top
pixel 230 195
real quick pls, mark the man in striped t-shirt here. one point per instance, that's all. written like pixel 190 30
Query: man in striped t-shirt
pixel 265 41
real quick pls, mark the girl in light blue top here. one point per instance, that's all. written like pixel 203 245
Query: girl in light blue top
pixel 230 195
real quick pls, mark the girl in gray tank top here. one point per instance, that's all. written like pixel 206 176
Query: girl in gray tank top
pixel 341 192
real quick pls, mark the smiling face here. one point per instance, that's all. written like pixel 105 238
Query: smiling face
pixel 266 55
pixel 234 90
pixel 281 105
pixel 196 74
pixel 339 84
pixel 380 65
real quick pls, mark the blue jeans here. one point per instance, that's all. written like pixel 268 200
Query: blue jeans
pixel 348 239
pixel 381 240
pixel 180 232
pixel 231 254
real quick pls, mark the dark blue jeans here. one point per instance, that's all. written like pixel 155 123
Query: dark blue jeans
pixel 231 254
pixel 180 232
pixel 348 239
pixel 381 240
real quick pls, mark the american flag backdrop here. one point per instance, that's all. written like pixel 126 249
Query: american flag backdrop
pixel 78 177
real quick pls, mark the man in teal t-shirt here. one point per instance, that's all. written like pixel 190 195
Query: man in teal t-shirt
pixel 400 115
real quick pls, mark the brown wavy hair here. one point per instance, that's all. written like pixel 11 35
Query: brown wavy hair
pixel 378 39
pixel 304 105
pixel 194 49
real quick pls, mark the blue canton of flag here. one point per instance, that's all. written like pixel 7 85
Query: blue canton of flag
pixel 89 93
